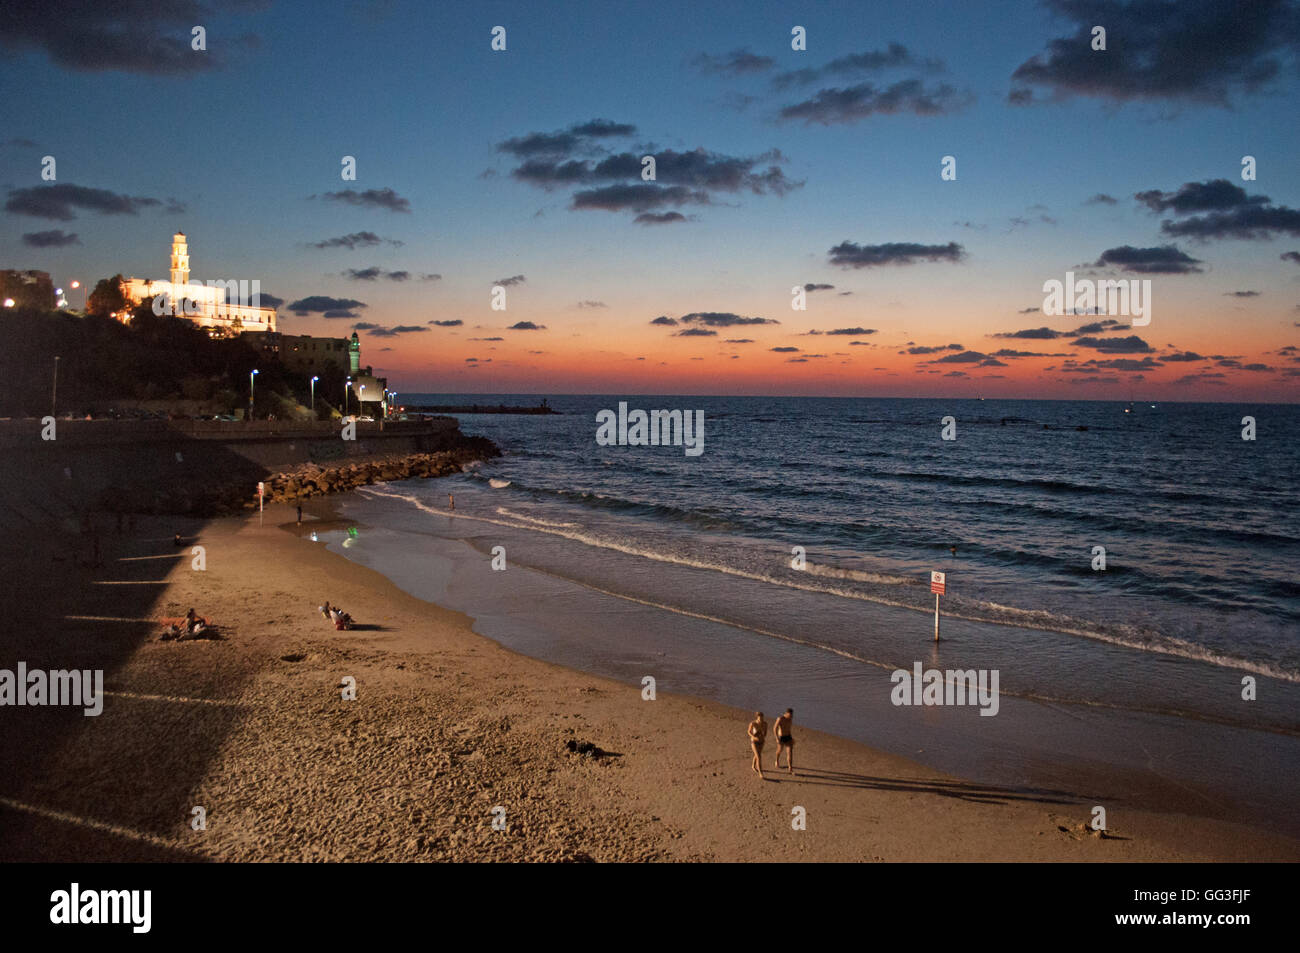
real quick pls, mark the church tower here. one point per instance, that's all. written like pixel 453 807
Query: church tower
pixel 180 261
pixel 354 355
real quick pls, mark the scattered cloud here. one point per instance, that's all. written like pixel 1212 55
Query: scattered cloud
pixel 370 198
pixel 57 201
pixel 1198 51
pixel 356 240
pixel 851 255
pixel 850 104
pixel 55 238
pixel 1161 260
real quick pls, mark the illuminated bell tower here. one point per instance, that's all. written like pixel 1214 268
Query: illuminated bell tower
pixel 354 355
pixel 180 261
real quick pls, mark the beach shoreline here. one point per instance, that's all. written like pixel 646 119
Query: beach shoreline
pixel 448 726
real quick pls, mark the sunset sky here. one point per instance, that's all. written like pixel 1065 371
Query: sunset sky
pixel 775 168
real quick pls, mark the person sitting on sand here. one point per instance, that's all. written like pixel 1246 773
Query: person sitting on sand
pixel 325 609
pixel 784 738
pixel 757 735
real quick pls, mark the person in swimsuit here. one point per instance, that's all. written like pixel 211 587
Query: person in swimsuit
pixel 784 738
pixel 757 735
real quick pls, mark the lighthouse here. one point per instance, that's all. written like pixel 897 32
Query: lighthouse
pixel 354 356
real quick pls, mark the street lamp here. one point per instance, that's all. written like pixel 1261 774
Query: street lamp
pixel 251 375
pixel 313 396
pixel 361 401
pixel 54 392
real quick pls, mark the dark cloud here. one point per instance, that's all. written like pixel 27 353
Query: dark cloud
pixel 784 350
pixel 323 303
pixel 922 349
pixel 1241 294
pixel 1101 198
pixel 736 63
pixel 851 255
pixel 1291 256
pixel 55 238
pixel 382 332
pixel 454 323
pixel 371 198
pixel 1037 334
pixel 269 300
pixel 565 142
pixel 1125 364
pixel 1096 327
pixel 961 357
pixel 374 272
pixel 853 332
pixel 365 326
pixel 1028 311
pixel 659 218
pixel 695 333
pixel 1009 352
pixel 133 37
pixel 697 169
pixel 337 313
pixel 526 326
pixel 830 106
pixel 1216 195
pixel 1193 50
pixel 1201 378
pixel 57 201
pixel 1129 345
pixel 665 320
pixel 813 286
pixel 1252 222
pixel 356 240
pixel 739 341
pixel 510 282
pixel 591 304
pixel 855 64
pixel 722 319
pixel 1162 260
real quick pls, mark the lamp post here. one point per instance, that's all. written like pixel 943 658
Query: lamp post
pixel 347 386
pixel 54 392
pixel 251 375
pixel 361 401
pixel 313 397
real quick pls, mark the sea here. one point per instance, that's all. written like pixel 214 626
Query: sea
pixel 1128 568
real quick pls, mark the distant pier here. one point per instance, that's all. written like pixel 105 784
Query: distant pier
pixel 542 408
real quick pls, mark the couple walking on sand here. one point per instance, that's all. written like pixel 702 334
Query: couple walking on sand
pixel 784 739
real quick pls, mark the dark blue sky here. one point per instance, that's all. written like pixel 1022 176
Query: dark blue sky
pixel 242 136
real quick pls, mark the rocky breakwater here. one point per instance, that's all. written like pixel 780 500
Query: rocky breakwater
pixel 313 480
pixel 226 495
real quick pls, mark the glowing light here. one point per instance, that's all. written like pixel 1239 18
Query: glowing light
pixel 9 302
pixel 76 284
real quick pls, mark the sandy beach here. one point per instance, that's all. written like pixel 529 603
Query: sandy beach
pixel 446 729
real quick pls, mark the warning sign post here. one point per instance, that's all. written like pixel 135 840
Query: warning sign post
pixel 938 585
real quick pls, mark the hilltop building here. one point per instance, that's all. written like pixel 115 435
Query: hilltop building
pixel 207 305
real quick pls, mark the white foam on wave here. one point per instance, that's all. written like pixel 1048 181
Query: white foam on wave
pixel 498 484
pixel 992 613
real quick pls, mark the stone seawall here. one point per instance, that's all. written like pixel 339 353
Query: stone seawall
pixel 206 468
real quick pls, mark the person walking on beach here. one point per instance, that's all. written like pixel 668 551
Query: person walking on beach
pixel 785 739
pixel 299 514
pixel 451 502
pixel 757 735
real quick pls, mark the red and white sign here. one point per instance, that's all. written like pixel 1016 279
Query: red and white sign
pixel 938 582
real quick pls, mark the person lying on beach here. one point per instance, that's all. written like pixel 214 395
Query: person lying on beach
pixel 757 735
pixel 784 738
